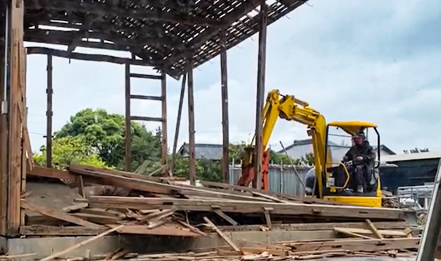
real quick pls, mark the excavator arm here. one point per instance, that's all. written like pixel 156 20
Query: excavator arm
pixel 292 109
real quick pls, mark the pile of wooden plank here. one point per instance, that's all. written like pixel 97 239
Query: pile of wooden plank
pixel 136 204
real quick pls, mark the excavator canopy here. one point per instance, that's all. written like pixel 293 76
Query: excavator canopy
pixel 352 127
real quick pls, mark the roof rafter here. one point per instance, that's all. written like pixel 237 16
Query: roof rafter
pixel 103 10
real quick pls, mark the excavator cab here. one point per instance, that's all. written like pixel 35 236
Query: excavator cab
pixel 339 179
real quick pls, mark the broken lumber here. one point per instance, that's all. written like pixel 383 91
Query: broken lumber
pixel 58 215
pixel 85 242
pixel 241 206
pixel 221 234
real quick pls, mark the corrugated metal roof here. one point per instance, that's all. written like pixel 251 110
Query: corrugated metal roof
pixel 207 151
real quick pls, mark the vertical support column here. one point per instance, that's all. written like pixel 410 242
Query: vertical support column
pixel 164 123
pixel 4 34
pixel 178 123
pixel 49 113
pixel 15 119
pixel 128 131
pixel 192 160
pixel 225 121
pixel 257 183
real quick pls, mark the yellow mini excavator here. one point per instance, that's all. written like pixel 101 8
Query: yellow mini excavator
pixel 331 179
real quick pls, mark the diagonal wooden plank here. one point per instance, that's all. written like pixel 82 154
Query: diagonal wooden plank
pixel 58 215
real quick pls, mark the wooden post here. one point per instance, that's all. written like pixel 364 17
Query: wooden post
pixel 191 131
pixel 225 122
pixel 257 183
pixel 4 31
pixel 15 117
pixel 178 123
pixel 128 132
pixel 164 123
pixel 49 113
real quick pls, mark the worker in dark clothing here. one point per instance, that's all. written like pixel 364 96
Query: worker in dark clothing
pixel 358 159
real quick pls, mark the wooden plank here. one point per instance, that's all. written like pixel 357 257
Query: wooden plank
pixel 220 233
pixel 130 180
pixel 52 173
pixel 225 118
pixel 269 197
pixel 146 97
pixel 42 230
pixel 3 140
pixel 15 125
pixel 85 242
pixel 164 138
pixel 144 118
pixel 268 217
pixel 348 232
pixel 99 219
pixel 226 217
pixel 178 122
pixel 191 124
pixel 356 244
pixel 146 76
pixel 59 215
pixel 81 186
pixel 88 57
pixel 49 113
pixel 319 226
pixel 128 128
pixel 385 232
pixel 164 230
pixel 374 229
pixel 241 206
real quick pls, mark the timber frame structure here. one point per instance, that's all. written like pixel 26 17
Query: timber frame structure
pixel 173 37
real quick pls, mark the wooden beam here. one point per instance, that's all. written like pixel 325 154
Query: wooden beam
pixel 52 173
pixel 226 217
pixel 89 57
pixel 15 124
pixel 105 9
pixel 374 229
pixel 59 215
pixel 144 118
pixel 178 122
pixel 164 138
pixel 49 113
pixel 225 237
pixel 85 242
pixel 146 97
pixel 225 120
pixel 3 122
pixel 146 76
pixel 43 230
pixel 356 244
pixel 245 206
pixel 191 131
pixel 128 129
pixel 261 60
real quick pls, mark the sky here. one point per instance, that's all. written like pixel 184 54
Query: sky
pixel 377 61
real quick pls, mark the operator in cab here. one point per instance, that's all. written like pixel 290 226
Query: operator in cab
pixel 359 158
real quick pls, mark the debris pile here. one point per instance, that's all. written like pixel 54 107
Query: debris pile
pixel 136 204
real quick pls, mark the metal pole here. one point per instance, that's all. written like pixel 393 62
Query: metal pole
pixel 225 121
pixel 49 113
pixel 432 229
pixel 192 160
pixel 128 131
pixel 257 182
pixel 178 123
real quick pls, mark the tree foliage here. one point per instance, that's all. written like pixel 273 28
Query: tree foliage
pixel 209 170
pixel 104 132
pixel 69 150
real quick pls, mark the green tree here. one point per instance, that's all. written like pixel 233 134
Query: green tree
pixel 105 132
pixel 208 170
pixel 69 150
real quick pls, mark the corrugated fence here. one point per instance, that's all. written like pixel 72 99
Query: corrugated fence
pixel 282 178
